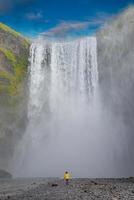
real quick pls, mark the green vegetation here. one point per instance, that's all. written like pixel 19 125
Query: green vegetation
pixel 15 54
pixel 9 55
pixel 7 29
pixel 19 67
pixel 20 71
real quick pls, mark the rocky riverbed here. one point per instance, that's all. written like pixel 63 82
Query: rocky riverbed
pixel 78 189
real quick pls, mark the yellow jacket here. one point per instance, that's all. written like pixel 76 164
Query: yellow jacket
pixel 66 176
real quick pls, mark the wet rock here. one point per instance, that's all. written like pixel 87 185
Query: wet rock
pixel 93 182
pixel 114 187
pixel 131 179
pixel 5 174
pixel 54 185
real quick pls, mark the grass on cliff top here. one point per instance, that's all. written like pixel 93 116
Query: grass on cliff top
pixel 6 28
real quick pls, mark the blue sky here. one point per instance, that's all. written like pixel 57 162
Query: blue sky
pixel 58 17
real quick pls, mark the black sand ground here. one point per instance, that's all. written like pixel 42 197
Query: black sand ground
pixel 78 189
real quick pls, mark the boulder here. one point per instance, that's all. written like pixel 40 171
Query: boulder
pixel 5 174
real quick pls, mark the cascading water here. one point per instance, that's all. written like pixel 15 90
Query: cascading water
pixel 60 72
pixel 65 129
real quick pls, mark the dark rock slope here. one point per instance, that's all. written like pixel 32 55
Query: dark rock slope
pixel 14 53
pixel 5 174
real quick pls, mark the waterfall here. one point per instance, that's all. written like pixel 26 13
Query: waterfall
pixel 67 128
pixel 61 70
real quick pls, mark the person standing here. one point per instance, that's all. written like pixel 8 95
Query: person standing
pixel 66 177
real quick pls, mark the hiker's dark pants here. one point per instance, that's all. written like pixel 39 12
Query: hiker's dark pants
pixel 67 181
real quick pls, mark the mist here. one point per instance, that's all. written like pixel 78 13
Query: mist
pixel 116 72
pixel 13 120
pixel 69 128
pixel 86 141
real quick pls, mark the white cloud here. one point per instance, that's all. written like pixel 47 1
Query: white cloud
pixel 64 27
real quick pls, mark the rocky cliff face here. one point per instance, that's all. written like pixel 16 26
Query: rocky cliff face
pixel 116 71
pixel 14 53
pixel 14 50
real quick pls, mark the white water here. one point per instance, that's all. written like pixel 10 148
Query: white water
pixel 62 72
pixel 66 130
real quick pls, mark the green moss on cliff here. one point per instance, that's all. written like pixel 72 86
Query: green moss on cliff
pixel 18 62
pixel 19 67
pixel 9 30
pixel 9 55
pixel 14 53
pixel 20 72
pixel 7 76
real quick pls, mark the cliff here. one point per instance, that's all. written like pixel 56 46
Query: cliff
pixel 116 73
pixel 14 53
pixel 115 56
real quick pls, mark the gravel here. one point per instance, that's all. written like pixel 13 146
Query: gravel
pixel 78 189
